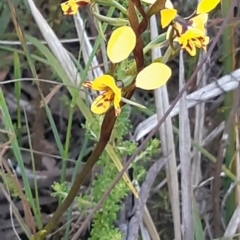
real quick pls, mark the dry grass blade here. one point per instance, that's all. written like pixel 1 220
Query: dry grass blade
pixel 148 221
pixel 148 229
pixel 233 223
pixel 26 207
pixel 144 193
pixel 86 48
pixel 199 126
pixel 13 209
pixel 55 45
pixel 185 158
pixel 167 143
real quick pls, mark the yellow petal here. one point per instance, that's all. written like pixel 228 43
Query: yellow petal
pixel 198 42
pixel 193 33
pixel 201 42
pixel 121 44
pixel 206 6
pixel 167 16
pixel 71 7
pixel 102 103
pixel 116 103
pixel 199 21
pixel 191 48
pixel 169 32
pixel 106 82
pixel 206 40
pixel 153 76
pixel 101 83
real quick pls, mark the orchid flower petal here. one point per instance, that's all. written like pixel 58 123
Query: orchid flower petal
pixel 153 76
pixel 71 7
pixel 205 6
pixel 106 82
pixel 102 103
pixel 103 83
pixel 199 21
pixel 167 16
pixel 116 104
pixel 121 44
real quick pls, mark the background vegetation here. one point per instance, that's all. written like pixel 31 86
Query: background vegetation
pixel 44 144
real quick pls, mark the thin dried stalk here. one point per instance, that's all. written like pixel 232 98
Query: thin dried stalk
pixel 167 143
pixel 199 126
pixel 185 158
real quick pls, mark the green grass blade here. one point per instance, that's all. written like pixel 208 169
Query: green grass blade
pixel 36 210
pixel 54 130
pixel 17 91
pixel 67 143
pixel 228 66
pixel 96 45
pixel 197 224
pixel 61 73
pixel 7 121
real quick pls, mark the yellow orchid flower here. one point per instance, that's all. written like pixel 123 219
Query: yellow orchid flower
pixel 191 39
pixel 169 14
pixel 111 94
pixel 71 7
pixel 190 33
pixel 188 38
pixel 195 24
pixel 120 46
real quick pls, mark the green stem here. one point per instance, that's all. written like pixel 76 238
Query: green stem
pixel 228 66
pixel 113 4
pixel 36 209
pixel 67 142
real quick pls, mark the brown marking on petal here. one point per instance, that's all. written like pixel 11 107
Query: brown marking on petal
pixel 199 42
pixel 100 105
pixel 101 102
pixel 69 11
pixel 87 84
pixel 108 97
pixel 189 46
